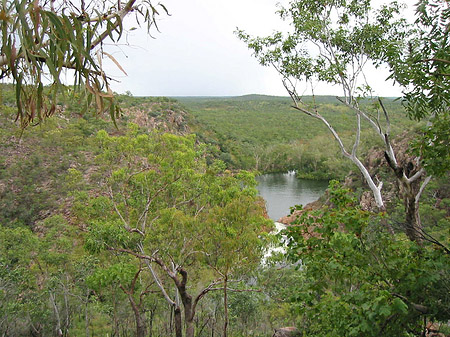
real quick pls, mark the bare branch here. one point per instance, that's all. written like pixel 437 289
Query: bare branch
pixel 415 176
pixel 422 188
pixel 332 130
pixel 119 15
pixel 358 134
pixel 125 224
pixel 386 116
pixel 419 307
pixel 205 291
pixel 156 278
pixel 435 60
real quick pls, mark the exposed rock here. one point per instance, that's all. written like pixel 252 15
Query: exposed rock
pixel 287 332
pixel 164 116
pixel 289 219
pixel 432 330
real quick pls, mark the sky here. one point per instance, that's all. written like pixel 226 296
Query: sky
pixel 196 53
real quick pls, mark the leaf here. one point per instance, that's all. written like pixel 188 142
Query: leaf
pixel 385 310
pixel 56 23
pixel 18 97
pixel 112 113
pixel 399 306
pixel 99 102
pixel 165 9
pixel 115 61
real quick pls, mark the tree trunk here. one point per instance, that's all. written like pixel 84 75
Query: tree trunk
pixel 178 324
pixel 141 330
pixel 86 316
pixel 188 313
pixel 186 299
pixel 58 331
pixel 413 226
pixel 150 323
pixel 116 331
pixel 225 307
pixel 189 327
pixel 410 190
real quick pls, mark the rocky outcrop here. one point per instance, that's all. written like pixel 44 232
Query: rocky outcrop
pixel 167 116
pixel 287 332
pixel 432 330
pixel 289 219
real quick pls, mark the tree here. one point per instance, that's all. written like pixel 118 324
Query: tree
pixel 359 281
pixel 165 207
pixel 126 277
pixel 332 42
pixel 423 69
pixel 41 39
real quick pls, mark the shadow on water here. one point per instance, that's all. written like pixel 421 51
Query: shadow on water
pixel 283 190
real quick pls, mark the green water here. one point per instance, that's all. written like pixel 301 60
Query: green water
pixel 283 190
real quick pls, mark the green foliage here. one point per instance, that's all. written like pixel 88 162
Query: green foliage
pixel 421 65
pixel 121 273
pixel 433 145
pixel 266 134
pixel 162 204
pixel 360 280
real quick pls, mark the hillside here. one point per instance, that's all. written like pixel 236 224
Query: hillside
pixel 265 133
pixel 34 163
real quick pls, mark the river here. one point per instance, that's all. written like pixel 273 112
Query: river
pixel 283 190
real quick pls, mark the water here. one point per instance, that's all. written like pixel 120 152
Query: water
pixel 283 190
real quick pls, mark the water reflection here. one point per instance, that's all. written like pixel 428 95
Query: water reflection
pixel 283 190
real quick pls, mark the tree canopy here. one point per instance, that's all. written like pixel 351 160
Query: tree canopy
pixel 164 207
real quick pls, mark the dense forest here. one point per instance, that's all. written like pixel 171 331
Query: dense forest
pixel 139 216
pixel 65 188
pixel 264 133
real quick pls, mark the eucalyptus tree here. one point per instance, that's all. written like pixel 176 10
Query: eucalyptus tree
pixel 42 39
pixel 333 42
pixel 181 218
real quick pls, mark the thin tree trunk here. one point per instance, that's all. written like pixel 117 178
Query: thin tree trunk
pixel 150 323
pixel 225 306
pixel 67 309
pixel 178 323
pixel 413 226
pixel 116 331
pixel 86 316
pixel 58 330
pixel 141 330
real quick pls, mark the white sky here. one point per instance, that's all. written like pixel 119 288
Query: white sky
pixel 196 52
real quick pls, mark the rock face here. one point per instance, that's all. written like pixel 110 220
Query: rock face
pixel 165 115
pixel 432 330
pixel 288 219
pixel 287 332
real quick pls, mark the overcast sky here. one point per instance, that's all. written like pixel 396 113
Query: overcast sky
pixel 196 52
